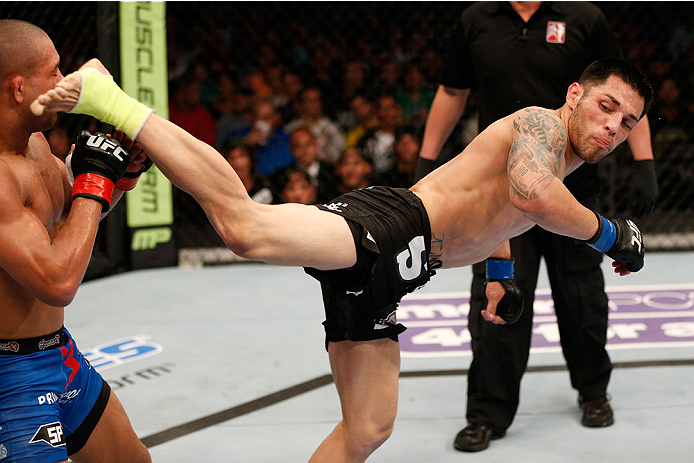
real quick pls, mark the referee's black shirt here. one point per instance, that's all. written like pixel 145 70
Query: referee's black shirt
pixel 512 64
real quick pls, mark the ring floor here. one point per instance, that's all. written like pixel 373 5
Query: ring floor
pixel 227 364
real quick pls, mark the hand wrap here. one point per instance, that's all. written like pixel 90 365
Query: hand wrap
pixel 101 98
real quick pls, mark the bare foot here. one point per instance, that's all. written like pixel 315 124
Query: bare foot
pixel 65 95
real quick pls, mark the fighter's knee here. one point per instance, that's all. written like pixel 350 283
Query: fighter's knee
pixel 237 235
pixel 140 455
pixel 367 437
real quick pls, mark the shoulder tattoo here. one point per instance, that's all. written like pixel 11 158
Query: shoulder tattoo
pixel 539 144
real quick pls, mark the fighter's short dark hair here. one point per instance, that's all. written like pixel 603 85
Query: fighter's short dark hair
pixel 599 71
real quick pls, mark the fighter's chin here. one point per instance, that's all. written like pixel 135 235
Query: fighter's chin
pixel 592 156
pixel 46 122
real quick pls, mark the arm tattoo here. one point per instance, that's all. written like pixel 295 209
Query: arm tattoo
pixel 538 145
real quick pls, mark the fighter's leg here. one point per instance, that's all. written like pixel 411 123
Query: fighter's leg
pixel 366 376
pixel 113 439
pixel 285 234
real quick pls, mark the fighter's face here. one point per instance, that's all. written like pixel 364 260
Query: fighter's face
pixel 45 77
pixel 603 117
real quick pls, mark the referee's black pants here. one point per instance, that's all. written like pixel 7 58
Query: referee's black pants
pixel 500 352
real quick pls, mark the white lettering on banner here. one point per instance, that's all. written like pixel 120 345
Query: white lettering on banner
pixel 678 329
pixel 661 300
pixel 447 337
pixel 625 330
pixel 429 311
pixel 543 307
pixel 550 331
pixel 652 300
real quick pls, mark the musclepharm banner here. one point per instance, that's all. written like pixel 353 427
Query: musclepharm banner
pixel 144 77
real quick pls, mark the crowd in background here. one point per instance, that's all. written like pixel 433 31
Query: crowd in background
pixel 309 100
pixel 327 100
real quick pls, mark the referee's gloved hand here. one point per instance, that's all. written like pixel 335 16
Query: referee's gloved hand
pixel 643 187
pixel 504 298
pixel 424 167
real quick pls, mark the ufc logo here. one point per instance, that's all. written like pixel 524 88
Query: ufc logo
pixel 636 238
pixel 105 144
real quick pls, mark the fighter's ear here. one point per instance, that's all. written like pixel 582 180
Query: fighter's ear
pixel 573 94
pixel 16 88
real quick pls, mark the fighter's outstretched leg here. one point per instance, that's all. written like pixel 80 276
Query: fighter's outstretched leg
pixel 286 234
pixel 366 376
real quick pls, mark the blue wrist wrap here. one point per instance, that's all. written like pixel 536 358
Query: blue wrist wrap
pixel 605 241
pixel 499 269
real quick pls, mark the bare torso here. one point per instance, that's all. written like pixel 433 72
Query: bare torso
pixel 38 182
pixel 468 202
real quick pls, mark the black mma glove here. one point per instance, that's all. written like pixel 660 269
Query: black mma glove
pixel 96 164
pixel 129 179
pixel 510 306
pixel 424 167
pixel 644 187
pixel 619 239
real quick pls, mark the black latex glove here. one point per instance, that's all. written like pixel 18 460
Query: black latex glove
pixel 424 167
pixel 644 187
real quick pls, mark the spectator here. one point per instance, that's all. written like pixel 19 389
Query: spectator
pixel 353 81
pixel 209 90
pixel 186 111
pixel 415 97
pixel 389 77
pixel 269 141
pixel 297 187
pixel 240 156
pixel 359 120
pixel 353 169
pixel 378 144
pixel 321 174
pixel 546 55
pixel 294 86
pixel 406 150
pixel 671 115
pixel 234 109
pixel 328 135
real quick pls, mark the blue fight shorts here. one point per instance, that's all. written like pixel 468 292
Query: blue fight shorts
pixel 50 398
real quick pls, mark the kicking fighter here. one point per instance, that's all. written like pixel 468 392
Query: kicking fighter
pixel 52 402
pixel 369 247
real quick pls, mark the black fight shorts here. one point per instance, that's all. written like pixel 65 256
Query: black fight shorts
pixel 393 239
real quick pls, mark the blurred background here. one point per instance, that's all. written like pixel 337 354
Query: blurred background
pixel 243 75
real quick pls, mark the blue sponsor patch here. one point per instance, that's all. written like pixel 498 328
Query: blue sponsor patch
pixel 120 351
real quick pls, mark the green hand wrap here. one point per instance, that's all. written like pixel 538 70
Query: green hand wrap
pixel 101 98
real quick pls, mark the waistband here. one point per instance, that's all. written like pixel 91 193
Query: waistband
pixel 31 345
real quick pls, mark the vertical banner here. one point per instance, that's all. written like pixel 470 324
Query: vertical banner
pixel 143 73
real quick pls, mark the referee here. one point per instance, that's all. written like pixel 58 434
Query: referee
pixel 514 55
